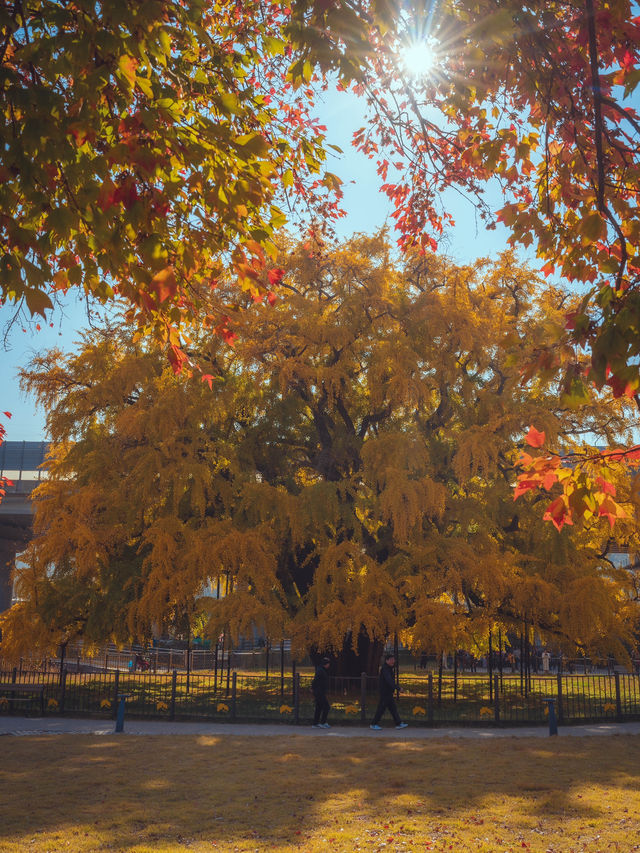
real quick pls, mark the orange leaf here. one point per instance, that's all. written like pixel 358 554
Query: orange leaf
pixel 128 65
pixel 611 510
pixel 535 438
pixel 607 487
pixel 177 358
pixel 164 284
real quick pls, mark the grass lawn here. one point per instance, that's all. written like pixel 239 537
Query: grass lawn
pixel 126 793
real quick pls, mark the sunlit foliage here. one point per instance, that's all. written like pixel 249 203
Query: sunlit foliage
pixel 348 475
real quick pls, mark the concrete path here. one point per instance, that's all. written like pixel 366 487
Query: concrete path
pixel 21 726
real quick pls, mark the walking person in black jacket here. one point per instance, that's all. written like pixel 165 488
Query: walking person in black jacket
pixel 319 686
pixel 387 688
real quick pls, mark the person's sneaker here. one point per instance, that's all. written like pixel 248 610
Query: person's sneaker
pixel 375 727
pixel 317 726
pixel 402 725
pixel 325 726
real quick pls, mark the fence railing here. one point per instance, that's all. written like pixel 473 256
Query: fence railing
pixel 274 659
pixel 426 699
pixel 270 661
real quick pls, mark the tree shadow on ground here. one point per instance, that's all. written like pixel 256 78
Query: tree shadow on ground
pixel 158 793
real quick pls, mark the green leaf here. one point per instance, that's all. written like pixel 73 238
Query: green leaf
pixel 127 65
pixel 253 143
pixel 230 103
pixel 593 227
pixel 37 301
pixel 274 46
pixel 145 86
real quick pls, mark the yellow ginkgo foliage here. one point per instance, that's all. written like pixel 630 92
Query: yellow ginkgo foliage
pixel 347 477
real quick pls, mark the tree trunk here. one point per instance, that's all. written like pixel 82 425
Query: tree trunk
pixel 366 657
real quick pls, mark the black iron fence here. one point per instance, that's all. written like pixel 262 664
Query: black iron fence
pixel 424 698
pixel 270 660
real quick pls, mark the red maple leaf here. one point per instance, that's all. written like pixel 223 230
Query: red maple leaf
pixel 177 358
pixel 275 276
pixel 558 513
pixel 524 485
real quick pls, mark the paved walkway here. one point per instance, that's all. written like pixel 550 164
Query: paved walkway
pixel 69 725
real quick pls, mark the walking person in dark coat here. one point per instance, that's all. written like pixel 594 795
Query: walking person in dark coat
pixel 387 688
pixel 319 686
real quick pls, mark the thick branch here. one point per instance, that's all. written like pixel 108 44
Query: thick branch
pixel 597 101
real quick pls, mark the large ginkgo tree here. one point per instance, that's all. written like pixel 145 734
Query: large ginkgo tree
pixel 344 474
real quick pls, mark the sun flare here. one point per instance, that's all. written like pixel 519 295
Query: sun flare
pixel 418 58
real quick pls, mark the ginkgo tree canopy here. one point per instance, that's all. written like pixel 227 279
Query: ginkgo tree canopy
pixel 539 97
pixel 346 469
pixel 538 101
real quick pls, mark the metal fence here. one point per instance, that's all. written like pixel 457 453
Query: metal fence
pixel 268 660
pixel 425 699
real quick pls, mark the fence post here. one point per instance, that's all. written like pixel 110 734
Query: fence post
pixel 559 700
pixel 553 723
pixel 496 698
pixel 120 714
pixel 174 679
pixel 618 697
pixel 363 697
pixel 234 681
pixel 430 699
pixel 116 690
pixel 282 669
pixel 63 689
pixel 455 676
pixel 296 697
pixel 14 675
pixel 490 668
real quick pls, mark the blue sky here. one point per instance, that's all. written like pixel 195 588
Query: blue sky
pixel 366 207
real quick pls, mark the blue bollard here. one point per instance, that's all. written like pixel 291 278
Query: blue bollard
pixel 553 722
pixel 120 716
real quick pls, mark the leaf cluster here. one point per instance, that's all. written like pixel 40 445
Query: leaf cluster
pixel 146 147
